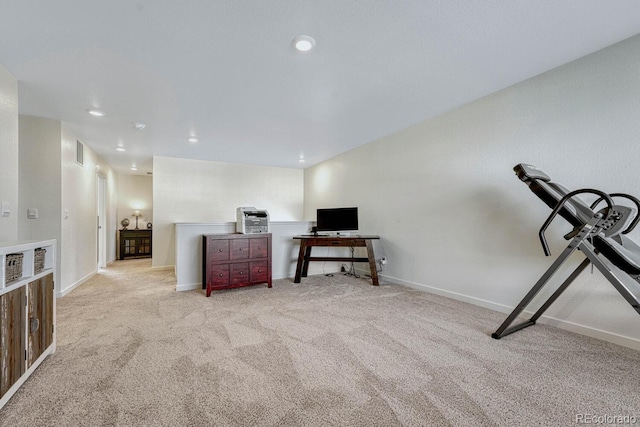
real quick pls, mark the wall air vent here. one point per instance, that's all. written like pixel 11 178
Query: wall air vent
pixel 79 153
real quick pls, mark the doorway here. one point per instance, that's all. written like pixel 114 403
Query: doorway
pixel 101 210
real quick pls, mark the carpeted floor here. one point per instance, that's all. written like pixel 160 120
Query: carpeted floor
pixel 328 351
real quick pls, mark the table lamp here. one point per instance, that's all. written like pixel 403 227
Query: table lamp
pixel 136 214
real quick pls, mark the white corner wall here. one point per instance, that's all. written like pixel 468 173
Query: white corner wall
pixel 209 192
pixel 40 181
pixel 40 178
pixel 135 192
pixel 453 217
pixel 8 154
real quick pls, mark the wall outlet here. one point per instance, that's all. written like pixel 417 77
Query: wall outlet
pixel 383 260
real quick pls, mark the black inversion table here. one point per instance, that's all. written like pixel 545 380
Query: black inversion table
pixel 601 235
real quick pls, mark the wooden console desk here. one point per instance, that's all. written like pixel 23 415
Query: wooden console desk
pixel 307 242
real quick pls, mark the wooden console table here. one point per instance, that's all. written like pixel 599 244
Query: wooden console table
pixel 307 242
pixel 135 244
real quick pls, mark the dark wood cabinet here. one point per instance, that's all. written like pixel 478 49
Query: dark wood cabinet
pixel 135 244
pixel 27 311
pixel 29 307
pixel 235 260
pixel 12 338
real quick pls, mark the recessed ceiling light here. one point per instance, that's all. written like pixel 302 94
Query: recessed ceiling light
pixel 300 160
pixel 139 126
pixel 120 149
pixel 192 139
pixel 304 43
pixel 96 113
pixel 134 168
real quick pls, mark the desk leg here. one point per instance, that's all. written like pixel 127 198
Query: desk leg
pixel 305 265
pixel 300 262
pixel 372 263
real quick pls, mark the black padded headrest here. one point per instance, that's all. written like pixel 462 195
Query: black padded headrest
pixel 529 172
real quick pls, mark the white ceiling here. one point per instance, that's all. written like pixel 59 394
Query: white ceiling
pixel 226 71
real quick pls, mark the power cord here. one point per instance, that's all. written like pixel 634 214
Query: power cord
pixel 352 269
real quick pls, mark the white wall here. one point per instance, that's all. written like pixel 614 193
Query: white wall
pixel 453 216
pixel 8 153
pixel 52 182
pixel 209 192
pixel 78 245
pixel 40 177
pixel 40 181
pixel 135 192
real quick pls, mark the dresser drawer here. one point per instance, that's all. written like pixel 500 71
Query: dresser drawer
pixel 218 250
pixel 239 249
pixel 219 275
pixel 239 273
pixel 259 248
pixel 259 271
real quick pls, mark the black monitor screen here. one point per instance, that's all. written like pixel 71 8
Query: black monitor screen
pixel 337 219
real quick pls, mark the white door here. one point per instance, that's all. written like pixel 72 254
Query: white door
pixel 101 222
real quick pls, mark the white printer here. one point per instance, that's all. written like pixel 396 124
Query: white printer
pixel 250 220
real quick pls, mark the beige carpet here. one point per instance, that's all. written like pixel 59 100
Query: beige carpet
pixel 328 351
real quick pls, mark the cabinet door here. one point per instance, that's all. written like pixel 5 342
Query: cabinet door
pixel 259 271
pixel 219 275
pixel 239 273
pixel 144 246
pixel 128 246
pixel 239 249
pixel 12 342
pixel 40 311
pixel 218 249
pixel 259 248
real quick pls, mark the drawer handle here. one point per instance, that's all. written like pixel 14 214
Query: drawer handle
pixel 220 275
pixel 242 272
pixel 259 247
pixel 240 249
pixel 259 270
pixel 219 250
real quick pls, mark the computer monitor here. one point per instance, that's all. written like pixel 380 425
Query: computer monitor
pixel 337 219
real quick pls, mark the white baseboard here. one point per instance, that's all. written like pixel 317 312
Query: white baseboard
pixel 591 332
pixel 546 320
pixel 71 287
pixel 188 287
pixel 164 267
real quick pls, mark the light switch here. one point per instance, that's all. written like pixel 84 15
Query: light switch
pixel 5 208
pixel 32 213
